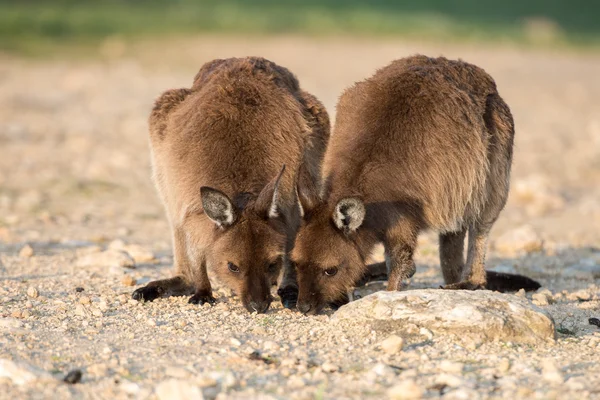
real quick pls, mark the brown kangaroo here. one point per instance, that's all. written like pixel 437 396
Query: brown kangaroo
pixel 225 155
pixel 425 143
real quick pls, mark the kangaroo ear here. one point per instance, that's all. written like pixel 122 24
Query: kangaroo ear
pixel 217 206
pixel 268 202
pixel 349 214
pixel 306 191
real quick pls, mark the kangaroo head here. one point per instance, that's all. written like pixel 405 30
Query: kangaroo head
pixel 326 252
pixel 250 241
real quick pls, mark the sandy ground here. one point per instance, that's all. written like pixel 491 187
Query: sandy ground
pixel 74 174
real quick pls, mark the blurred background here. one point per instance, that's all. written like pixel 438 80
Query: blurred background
pixel 78 78
pixel 28 25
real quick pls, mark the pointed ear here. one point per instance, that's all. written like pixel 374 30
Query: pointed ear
pixel 269 199
pixel 217 206
pixel 349 214
pixel 307 193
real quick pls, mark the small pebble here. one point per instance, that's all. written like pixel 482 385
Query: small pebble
pixel 25 314
pixel 73 377
pixel 392 345
pixel 16 314
pixel 405 390
pixel 151 322
pixel 32 292
pixel 84 300
pixel 26 251
pixel 79 289
pixel 594 321
pixel 329 367
pixel 128 280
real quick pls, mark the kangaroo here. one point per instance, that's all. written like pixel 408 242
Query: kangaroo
pixel 224 158
pixel 425 143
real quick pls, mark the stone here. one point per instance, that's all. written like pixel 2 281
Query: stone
pixel 26 251
pixel 10 324
pixel 128 280
pixel 329 367
pixel 32 292
pixel 84 300
pixel 550 372
pixel 540 299
pixel 470 316
pixel 139 253
pixel 392 345
pixel 449 380
pixel 451 366
pixel 519 241
pixel 108 258
pixel 98 369
pixel 176 389
pixel 21 373
pixel 405 390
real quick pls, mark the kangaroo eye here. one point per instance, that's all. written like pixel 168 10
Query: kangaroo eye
pixel 233 268
pixel 272 267
pixel 330 271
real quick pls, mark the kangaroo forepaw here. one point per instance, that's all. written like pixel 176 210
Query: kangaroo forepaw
pixel 147 293
pixel 202 298
pixel 288 295
pixel 465 285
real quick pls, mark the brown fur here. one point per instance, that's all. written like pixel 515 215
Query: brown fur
pixel 425 143
pixel 218 155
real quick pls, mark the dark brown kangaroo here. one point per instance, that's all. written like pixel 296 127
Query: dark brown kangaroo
pixel 425 143
pixel 225 154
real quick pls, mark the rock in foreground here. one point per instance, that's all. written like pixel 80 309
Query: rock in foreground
pixel 469 315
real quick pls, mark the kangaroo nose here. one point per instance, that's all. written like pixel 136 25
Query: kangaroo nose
pixel 258 306
pixel 304 307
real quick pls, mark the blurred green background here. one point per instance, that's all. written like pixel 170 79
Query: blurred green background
pixel 38 24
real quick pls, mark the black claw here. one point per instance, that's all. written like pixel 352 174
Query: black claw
pixel 146 293
pixel 201 299
pixel 289 296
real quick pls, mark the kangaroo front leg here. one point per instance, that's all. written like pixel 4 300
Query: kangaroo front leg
pixel 176 286
pixel 203 292
pixel 179 285
pixel 399 249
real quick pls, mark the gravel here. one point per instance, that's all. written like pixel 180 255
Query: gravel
pixel 78 211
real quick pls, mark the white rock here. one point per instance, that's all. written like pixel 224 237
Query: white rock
pixel 451 366
pixel 329 367
pixel 26 251
pixel 21 373
pixel 32 292
pixel 108 258
pixel 139 253
pixel 177 372
pixel 450 380
pixel 405 390
pixel 392 345
pixel 176 389
pixel 550 372
pixel 471 316
pixel 10 324
pixel 540 299
pixel 519 241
